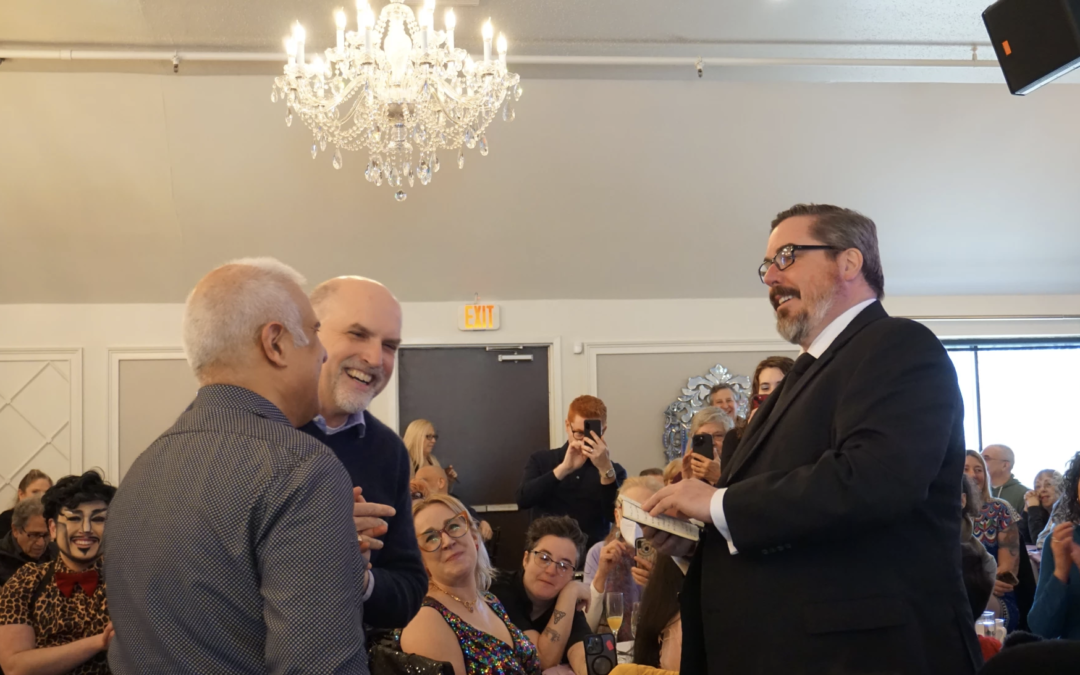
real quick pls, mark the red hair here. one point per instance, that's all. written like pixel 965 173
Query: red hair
pixel 588 407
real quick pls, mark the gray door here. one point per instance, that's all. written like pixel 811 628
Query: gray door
pixel 489 406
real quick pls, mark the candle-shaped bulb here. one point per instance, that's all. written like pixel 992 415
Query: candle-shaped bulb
pixel 317 66
pixel 501 45
pixel 429 5
pixel 424 18
pixel 368 17
pixel 290 47
pixel 487 31
pixel 451 20
pixel 298 32
pixel 340 19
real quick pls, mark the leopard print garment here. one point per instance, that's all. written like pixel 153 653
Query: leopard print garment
pixel 57 620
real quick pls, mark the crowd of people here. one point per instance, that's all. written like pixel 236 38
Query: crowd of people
pixel 278 526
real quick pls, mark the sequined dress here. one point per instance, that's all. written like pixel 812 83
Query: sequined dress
pixel 486 654
pixel 995 517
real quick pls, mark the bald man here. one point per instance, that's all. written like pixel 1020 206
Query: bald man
pixel 438 483
pixel 1000 461
pixel 211 554
pixel 361 330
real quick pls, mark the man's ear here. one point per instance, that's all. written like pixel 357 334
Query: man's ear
pixel 270 341
pixel 851 263
pixel 52 529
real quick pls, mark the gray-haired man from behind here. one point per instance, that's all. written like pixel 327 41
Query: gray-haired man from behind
pixel 210 552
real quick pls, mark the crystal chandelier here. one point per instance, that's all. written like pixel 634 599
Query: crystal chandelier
pixel 399 89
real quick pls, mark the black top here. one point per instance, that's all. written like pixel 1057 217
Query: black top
pixel 510 590
pixel 5 521
pixel 377 461
pixel 12 556
pixel 580 495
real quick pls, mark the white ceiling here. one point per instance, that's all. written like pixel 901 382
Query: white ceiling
pixel 126 188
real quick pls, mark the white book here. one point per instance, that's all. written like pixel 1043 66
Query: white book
pixel 687 529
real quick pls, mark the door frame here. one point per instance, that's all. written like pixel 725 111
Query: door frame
pixel 556 430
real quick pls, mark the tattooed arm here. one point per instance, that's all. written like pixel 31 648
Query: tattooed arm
pixel 551 643
pixel 1008 557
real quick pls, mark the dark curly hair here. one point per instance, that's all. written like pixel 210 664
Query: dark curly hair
pixel 70 491
pixel 1070 504
pixel 556 526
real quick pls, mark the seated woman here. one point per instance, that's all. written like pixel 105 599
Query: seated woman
pixel 713 422
pixel 420 439
pixel 542 597
pixel 1056 610
pixel 460 622
pixel 613 566
pixel 658 638
pixel 1038 503
pixel 996 528
pixel 978 567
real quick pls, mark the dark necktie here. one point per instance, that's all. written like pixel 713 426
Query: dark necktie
pixel 66 582
pixel 802 364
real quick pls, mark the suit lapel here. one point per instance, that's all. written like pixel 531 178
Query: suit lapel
pixel 773 408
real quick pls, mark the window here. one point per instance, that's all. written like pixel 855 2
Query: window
pixel 1022 394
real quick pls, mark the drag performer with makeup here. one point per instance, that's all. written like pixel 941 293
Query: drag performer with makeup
pixel 53 616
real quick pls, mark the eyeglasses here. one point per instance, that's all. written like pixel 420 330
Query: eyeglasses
pixel 993 459
pixel 544 560
pixel 785 257
pixel 432 437
pixel 44 536
pixel 578 435
pixel 455 528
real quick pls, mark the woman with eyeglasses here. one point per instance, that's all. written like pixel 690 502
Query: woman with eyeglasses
pixel 420 439
pixel 460 622
pixel 714 422
pixel 614 565
pixel 543 599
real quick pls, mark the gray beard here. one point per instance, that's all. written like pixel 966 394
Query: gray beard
pixel 352 403
pixel 795 329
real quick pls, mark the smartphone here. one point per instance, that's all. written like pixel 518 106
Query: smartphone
pixel 702 445
pixel 593 425
pixel 600 658
pixel 644 549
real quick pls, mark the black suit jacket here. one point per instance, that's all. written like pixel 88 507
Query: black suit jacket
pixel 844 503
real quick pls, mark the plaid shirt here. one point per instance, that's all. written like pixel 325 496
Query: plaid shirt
pixel 230 548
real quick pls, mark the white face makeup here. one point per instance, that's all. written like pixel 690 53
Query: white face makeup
pixel 78 532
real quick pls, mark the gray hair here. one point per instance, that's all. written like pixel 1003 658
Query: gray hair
pixel 711 415
pixel 1057 481
pixel 221 322
pixel 25 510
pixel 843 229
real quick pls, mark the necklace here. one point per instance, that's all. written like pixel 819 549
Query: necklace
pixel 471 606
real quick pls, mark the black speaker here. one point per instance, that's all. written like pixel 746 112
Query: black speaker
pixel 600 656
pixel 1036 41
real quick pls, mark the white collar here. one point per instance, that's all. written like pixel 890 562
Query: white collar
pixel 833 330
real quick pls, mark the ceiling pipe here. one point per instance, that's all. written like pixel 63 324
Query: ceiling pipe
pixel 625 61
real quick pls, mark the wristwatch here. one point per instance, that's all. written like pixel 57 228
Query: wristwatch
pixel 610 473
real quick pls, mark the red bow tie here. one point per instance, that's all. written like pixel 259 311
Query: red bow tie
pixel 66 582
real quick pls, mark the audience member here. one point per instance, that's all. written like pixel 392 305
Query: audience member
pixel 1056 611
pixel 1049 657
pixel 658 636
pixel 420 439
pixel 1000 461
pixel 1037 504
pixel 33 484
pixel 231 545
pixel 768 375
pixel 53 615
pixel 543 599
pixel 673 472
pixel 978 567
pixel 613 565
pixel 579 479
pixel 1057 516
pixel 361 330
pixel 996 527
pixel 460 622
pixel 859 451
pixel 725 397
pixel 28 539
pixel 712 422
pixel 438 483
pixel 653 471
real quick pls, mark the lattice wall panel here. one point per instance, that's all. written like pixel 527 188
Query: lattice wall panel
pixel 35 420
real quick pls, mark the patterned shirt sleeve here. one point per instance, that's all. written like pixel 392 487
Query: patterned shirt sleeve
pixel 16 593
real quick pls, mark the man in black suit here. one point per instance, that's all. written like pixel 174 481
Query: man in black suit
pixel 832 544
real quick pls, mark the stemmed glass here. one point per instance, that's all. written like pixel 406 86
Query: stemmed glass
pixel 614 606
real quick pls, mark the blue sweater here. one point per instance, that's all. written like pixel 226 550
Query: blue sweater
pixel 1056 610
pixel 377 461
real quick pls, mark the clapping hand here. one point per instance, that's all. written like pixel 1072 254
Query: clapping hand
pixel 1066 551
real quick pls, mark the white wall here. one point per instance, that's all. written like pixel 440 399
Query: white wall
pixel 97 328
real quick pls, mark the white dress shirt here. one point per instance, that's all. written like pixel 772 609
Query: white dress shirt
pixel 821 343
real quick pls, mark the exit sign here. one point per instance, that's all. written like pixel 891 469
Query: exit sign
pixel 479 317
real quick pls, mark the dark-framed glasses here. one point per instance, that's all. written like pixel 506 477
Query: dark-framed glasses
pixel 42 536
pixel 544 560
pixel 785 257
pixel 455 528
pixel 432 437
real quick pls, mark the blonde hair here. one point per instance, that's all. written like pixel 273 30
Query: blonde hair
pixel 673 471
pixel 986 499
pixel 414 438
pixel 485 573
pixel 647 482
